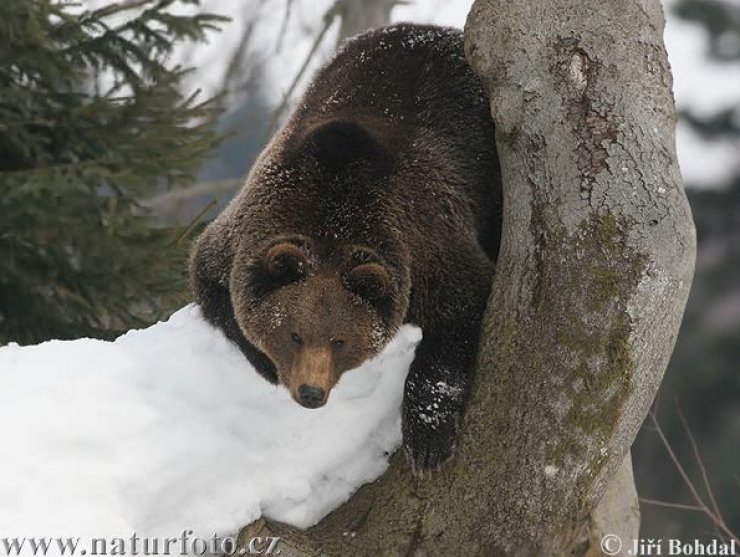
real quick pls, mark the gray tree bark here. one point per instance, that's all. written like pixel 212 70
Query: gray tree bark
pixel 596 262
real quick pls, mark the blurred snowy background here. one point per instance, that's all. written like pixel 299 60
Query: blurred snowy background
pixel 260 62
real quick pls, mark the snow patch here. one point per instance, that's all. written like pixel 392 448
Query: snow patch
pixel 169 428
pixel 551 470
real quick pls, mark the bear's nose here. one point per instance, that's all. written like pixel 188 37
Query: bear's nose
pixel 310 396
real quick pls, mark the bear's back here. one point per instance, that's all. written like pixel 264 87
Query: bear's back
pixel 407 75
pixel 411 87
pixel 392 142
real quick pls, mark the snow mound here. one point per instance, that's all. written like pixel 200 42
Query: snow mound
pixel 169 428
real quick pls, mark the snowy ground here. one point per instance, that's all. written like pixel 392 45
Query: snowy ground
pixel 168 428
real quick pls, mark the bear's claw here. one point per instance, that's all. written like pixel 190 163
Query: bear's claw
pixel 429 444
pixel 425 465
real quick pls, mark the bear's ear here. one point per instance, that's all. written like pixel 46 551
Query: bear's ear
pixel 285 263
pixel 337 144
pixel 370 281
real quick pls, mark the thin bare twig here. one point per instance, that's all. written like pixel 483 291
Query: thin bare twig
pixel 284 26
pixel 183 194
pixel 195 221
pixel 236 63
pixel 687 480
pixel 328 19
pixel 699 461
pixel 670 505
pixel 134 3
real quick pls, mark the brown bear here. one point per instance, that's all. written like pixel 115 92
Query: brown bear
pixel 377 204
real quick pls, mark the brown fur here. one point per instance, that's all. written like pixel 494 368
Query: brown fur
pixel 377 204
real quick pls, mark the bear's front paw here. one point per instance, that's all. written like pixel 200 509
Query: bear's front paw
pixel 429 438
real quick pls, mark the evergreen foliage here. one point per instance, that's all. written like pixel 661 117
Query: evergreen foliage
pixel 92 121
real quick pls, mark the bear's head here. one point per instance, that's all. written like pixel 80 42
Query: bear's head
pixel 315 309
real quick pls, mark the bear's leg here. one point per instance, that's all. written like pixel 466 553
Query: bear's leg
pixel 215 303
pixel 436 391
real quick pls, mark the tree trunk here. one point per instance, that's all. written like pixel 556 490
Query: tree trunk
pixel 361 15
pixel 596 263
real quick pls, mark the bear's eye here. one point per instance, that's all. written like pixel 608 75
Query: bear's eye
pixel 296 338
pixel 337 343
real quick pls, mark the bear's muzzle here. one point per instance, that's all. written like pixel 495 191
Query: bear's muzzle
pixel 312 376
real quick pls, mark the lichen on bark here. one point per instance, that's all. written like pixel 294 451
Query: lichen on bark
pixel 591 251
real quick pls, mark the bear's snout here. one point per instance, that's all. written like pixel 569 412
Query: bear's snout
pixel 310 396
pixel 312 376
